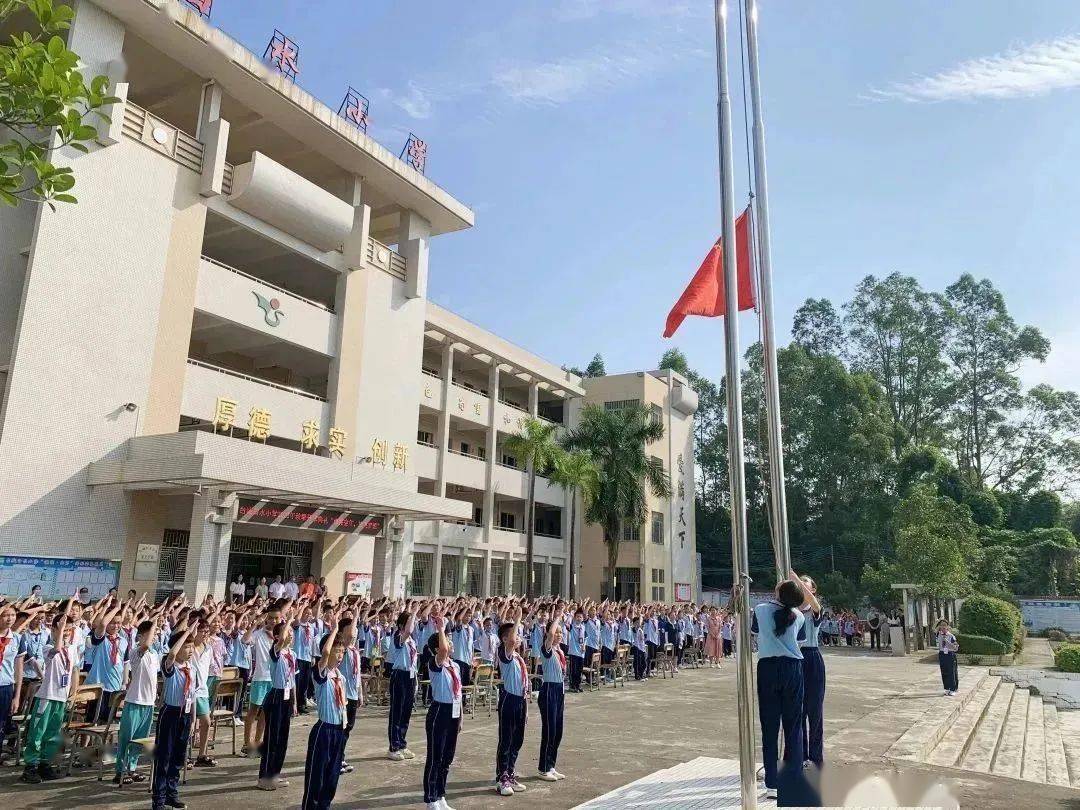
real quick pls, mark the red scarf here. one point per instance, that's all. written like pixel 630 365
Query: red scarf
pixel 186 672
pixel 288 656
pixel 355 664
pixel 4 641
pixel 412 652
pixel 524 674
pixel 455 681
pixel 114 650
pixel 562 657
pixel 339 695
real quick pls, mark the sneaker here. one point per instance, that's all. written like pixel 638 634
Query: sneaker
pixel 770 793
pixel 443 805
pixel 503 788
pixel 47 772
pixel 30 775
pixel 281 783
pixel 266 784
pixel 236 721
pixel 346 767
pixel 395 756
pixel 515 784
pixel 548 776
pixel 175 803
pixel 556 774
pixel 408 754
pixel 434 805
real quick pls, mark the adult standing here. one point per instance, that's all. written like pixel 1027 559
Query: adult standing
pixel 292 589
pixel 277 589
pixel 262 590
pixel 238 590
pixel 873 621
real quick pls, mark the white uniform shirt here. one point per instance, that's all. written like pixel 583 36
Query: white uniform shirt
pixel 261 642
pixel 142 688
pixel 276 590
pixel 56 683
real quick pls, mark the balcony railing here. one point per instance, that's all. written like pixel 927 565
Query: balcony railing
pixel 545 534
pixel 423 443
pixel 298 391
pixel 467 455
pixel 508 466
pixel 513 405
pixel 430 372
pixel 265 283
pixel 468 386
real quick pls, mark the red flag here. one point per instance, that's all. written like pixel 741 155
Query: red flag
pixel 704 295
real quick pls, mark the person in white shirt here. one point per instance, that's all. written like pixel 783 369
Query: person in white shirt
pixel 277 590
pixel 292 589
pixel 138 713
pixel 237 589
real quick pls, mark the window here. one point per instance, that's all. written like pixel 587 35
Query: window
pixel 425 437
pixel 451 572
pixel 657 414
pixel 423 563
pixel 507 520
pixel 478 515
pixel 498 577
pixel 509 461
pixel 474 575
pixel 626 583
pixel 631 533
pixel 518 571
pixel 481 453
pixel 658 528
pixel 657 461
pixel 658 575
pixel 538 583
pixel 658 593
pixel 556 579
pixel 465 448
pixel 621 404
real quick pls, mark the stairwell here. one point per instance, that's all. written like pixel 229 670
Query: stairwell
pixel 993 726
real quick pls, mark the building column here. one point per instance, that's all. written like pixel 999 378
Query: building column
pixel 485 585
pixel 442 426
pixel 413 234
pixel 436 572
pixel 213 131
pixel 209 543
pixel 534 398
pixel 492 454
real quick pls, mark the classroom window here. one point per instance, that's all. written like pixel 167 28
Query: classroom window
pixel 621 404
pixel 507 520
pixel 451 573
pixel 658 575
pixel 518 572
pixel 498 577
pixel 556 580
pixel 474 575
pixel 657 414
pixel 425 437
pixel 538 583
pixel 658 528
pixel 631 532
pixel 423 563
pixel 658 593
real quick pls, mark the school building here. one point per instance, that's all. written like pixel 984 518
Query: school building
pixel 222 359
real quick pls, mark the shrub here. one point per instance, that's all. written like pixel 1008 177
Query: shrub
pixel 1067 658
pixel 980 645
pixel 986 616
pixel 1056 634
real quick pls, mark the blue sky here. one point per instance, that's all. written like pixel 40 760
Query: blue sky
pixel 926 137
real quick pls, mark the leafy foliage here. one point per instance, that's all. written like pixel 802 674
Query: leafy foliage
pixel 981 645
pixel 936 543
pixel 44 102
pixel 985 616
pixel 535 446
pixel 1067 658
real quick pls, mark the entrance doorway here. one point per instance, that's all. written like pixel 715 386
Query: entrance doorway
pixel 258 558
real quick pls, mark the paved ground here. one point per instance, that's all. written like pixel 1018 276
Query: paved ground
pixel 612 738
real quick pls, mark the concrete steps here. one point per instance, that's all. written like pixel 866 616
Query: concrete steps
pixel 993 726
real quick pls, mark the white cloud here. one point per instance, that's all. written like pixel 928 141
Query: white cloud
pixel 565 79
pixel 570 10
pixel 1030 70
pixel 416 101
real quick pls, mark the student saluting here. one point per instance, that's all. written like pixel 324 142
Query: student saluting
pixel 513 705
pixel 443 718
pixel 813 676
pixel 326 742
pixel 551 699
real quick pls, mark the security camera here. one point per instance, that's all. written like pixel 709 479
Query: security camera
pixel 131 406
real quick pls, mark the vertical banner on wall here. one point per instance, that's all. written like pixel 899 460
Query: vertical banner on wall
pixel 357 583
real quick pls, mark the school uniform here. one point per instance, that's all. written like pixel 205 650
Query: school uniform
pixel 32 644
pixel 43 736
pixel 442 726
pixel 402 690
pixel 575 644
pixel 326 742
pixel 639 646
pixel 607 642
pixel 421 633
pixel 461 643
pixel 261 644
pixel 305 644
pixel 372 640
pixel 950 675
pixel 278 708
pixel 652 640
pixel 203 661
pixel 138 712
pixel 779 688
pixel 384 651
pixel 107 657
pixel 536 640
pixel 11 650
pixel 592 640
pixel 725 638
pixel 486 646
pixel 551 700
pixel 174 730
pixel 239 656
pixel 813 667
pixel 350 672
pixel 513 712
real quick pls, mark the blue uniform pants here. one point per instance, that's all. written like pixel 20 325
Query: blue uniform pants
pixel 303 684
pixel 442 733
pixel 576 663
pixel 7 695
pixel 170 752
pixel 325 749
pixel 813 705
pixel 278 713
pixel 402 694
pixel 513 711
pixel 550 699
pixel 950 676
pixel 780 701
pixel 641 664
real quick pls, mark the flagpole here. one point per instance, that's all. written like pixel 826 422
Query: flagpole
pixel 739 554
pixel 777 489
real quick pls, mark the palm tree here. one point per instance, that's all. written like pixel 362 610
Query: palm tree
pixel 576 473
pixel 535 446
pixel 616 441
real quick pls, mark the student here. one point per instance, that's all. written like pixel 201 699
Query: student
pixel 278 708
pixel 12 656
pixel 513 709
pixel 592 636
pixel 240 657
pixel 461 640
pixel 777 623
pixel 551 699
pixel 261 640
pixel 402 688
pixel 108 653
pixel 43 736
pixel 204 662
pixel 487 642
pixel 354 684
pixel 576 648
pixel 813 666
pixel 174 722
pixel 326 742
pixel 640 649
pixel 443 718
pixel 947 647
pixel 305 645
pixel 138 713
pixel 726 630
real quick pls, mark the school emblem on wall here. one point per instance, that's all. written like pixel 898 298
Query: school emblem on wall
pixel 271 308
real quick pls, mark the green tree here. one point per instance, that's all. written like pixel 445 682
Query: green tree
pixel 44 104
pixel 535 446
pixel 616 441
pixel 986 349
pixel 838 592
pixel 576 473
pixel 896 331
pixel 1047 563
pixel 937 545
pixel 675 360
pixel 877 581
pixel 817 328
pixel 1039 444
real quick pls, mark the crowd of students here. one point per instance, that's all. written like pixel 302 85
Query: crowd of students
pixel 304 654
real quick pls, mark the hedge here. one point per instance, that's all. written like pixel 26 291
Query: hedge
pixel 980 645
pixel 1067 658
pixel 986 616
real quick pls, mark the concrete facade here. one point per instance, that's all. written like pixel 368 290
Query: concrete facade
pixel 245 265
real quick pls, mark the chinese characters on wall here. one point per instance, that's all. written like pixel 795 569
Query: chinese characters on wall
pixel 259 425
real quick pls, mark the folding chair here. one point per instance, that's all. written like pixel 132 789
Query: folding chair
pixel 483 685
pixel 79 696
pixel 591 673
pixel 622 659
pixel 226 692
pixel 611 670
